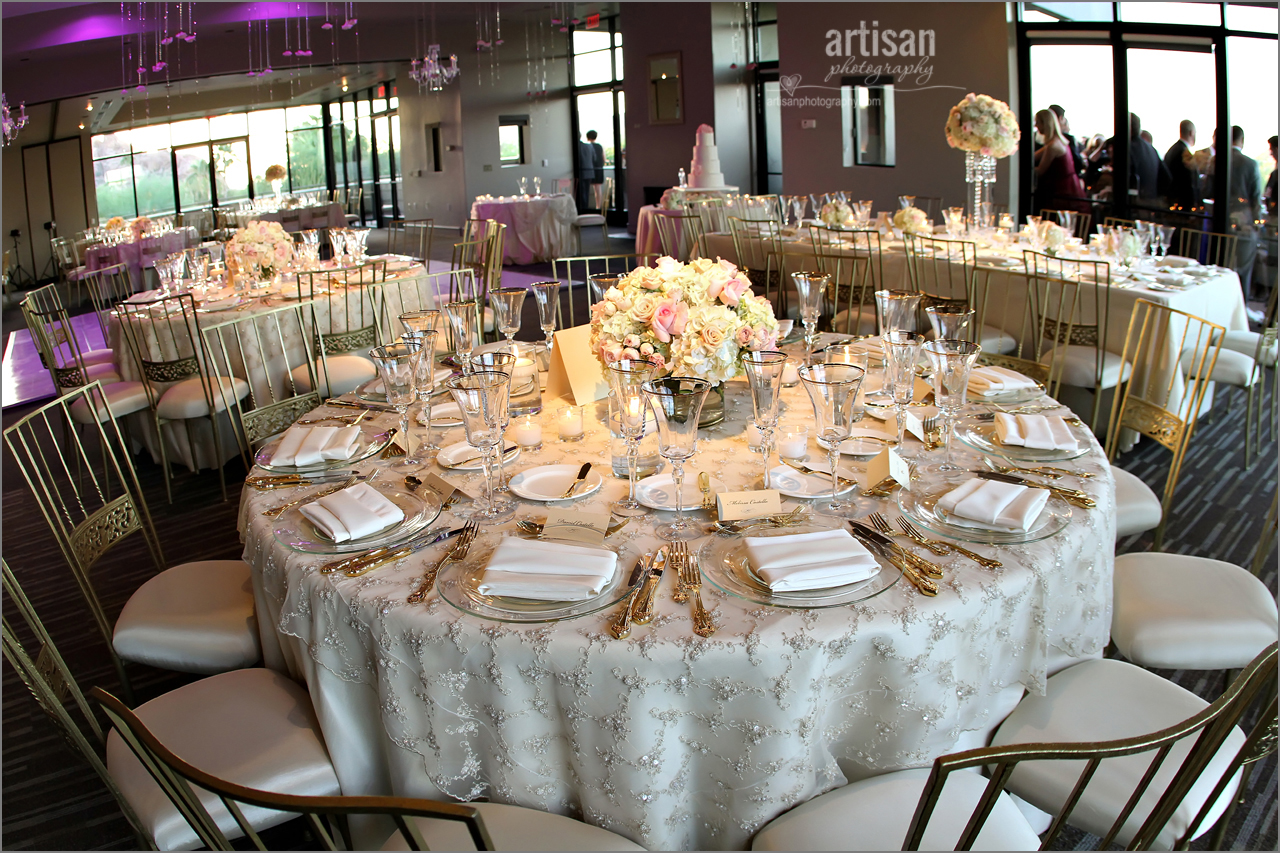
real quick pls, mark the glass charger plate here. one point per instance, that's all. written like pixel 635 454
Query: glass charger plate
pixel 458 585
pixel 919 504
pixel 372 391
pixel 981 435
pixel 723 560
pixel 295 531
pixel 1010 398
pixel 368 446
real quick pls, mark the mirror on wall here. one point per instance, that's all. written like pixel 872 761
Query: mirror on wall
pixel 665 94
pixel 867 117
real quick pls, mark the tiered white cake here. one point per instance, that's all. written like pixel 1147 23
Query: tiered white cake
pixel 705 169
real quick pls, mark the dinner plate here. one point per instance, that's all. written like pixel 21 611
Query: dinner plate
pixel 919 503
pixel 1012 397
pixel 454 418
pixel 295 531
pixel 797 484
pixel 458 584
pixel 372 391
pixel 659 491
pixel 723 561
pixel 981 435
pixel 229 304
pixel 367 446
pixel 469 455
pixel 548 482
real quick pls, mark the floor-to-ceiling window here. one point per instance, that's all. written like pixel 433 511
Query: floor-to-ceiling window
pixel 768 98
pixel 364 151
pixel 599 102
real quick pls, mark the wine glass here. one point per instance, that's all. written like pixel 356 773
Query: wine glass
pixel 898 310
pixel 905 201
pixel 626 380
pixel 357 242
pixel 1164 234
pixel 462 319
pixel 951 362
pixel 953 217
pixel 833 389
pixel 677 403
pixel 398 364
pixel 810 287
pixel 599 283
pixel 901 349
pixel 523 183
pixel 497 362
pixel 338 244
pixel 764 375
pixel 423 342
pixel 507 303
pixel 950 324
pixel 537 185
pixel 547 295
pixel 482 398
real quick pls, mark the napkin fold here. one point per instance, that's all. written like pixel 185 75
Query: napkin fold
pixel 1038 432
pixel 215 304
pixel 547 571
pixel 989 381
pixel 817 560
pixel 353 513
pixel 303 446
pixel 992 505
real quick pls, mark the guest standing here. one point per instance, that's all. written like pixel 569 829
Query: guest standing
pixel 1145 164
pixel 1073 144
pixel 597 176
pixel 1244 194
pixel 1058 187
pixel 1269 195
pixel 586 174
pixel 1180 160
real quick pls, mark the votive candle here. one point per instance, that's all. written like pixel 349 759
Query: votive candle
pixel 528 432
pixel 790 374
pixel 793 441
pixel 570 423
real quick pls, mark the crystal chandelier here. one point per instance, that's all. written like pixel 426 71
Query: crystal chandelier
pixel 430 73
pixel 14 123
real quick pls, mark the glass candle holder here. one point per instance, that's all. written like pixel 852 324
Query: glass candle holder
pixel 527 432
pixel 793 441
pixel 569 424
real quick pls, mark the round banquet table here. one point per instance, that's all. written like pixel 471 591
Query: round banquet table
pixel 539 228
pixel 672 740
pixel 140 254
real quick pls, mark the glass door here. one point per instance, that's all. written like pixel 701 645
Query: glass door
pixel 769 133
pixel 191 164
pixel 596 112
pixel 231 170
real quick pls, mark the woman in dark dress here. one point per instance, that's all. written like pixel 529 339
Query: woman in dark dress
pixel 1057 183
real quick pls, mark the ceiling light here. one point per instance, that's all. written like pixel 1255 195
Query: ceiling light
pixel 82 125
pixel 89 106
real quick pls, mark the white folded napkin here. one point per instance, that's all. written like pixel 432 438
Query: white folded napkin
pixel 817 560
pixel 989 381
pixel 303 446
pixel 992 505
pixel 1038 432
pixel 1178 261
pixel 547 571
pixel 144 296
pixel 1172 279
pixel 352 513
pixel 215 304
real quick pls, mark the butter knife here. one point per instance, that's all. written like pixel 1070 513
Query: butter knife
pixel 359 404
pixel 621 627
pixel 917 562
pixel 411 547
pixel 897 556
pixel 642 611
pixel 1074 496
pixel 435 534
pixel 582 475
pixel 277 511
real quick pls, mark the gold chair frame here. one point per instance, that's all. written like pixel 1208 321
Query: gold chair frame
pixel 1083 221
pixel 854 261
pixel 592 265
pixel 712 212
pixel 1113 221
pixel 50 327
pixel 757 245
pixel 931 205
pixel 108 286
pixel 420 292
pixel 415 234
pixel 680 235
pixel 945 274
pixel 1208 247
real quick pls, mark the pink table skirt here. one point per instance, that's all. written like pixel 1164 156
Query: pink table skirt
pixel 538 229
pixel 142 254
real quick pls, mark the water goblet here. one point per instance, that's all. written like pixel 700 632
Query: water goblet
pixel 507 304
pixel 898 310
pixel 833 390
pixel 599 284
pixel 547 295
pixel 523 183
pixel 424 344
pixel 537 185
pixel 764 376
pixel 398 366
pixel 677 404
pixel 420 321
pixel 338 244
pixel 482 399
pixel 462 319
pixel 498 362
pixel 1164 235
pixel 810 287
pixel 950 324
pixel 626 380
pixel 953 217
pixel 952 362
pixel 901 349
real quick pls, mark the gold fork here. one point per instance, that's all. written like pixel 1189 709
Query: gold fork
pixel 680 556
pixel 911 530
pixel 879 522
pixel 349 420
pixel 457 552
pixel 691 580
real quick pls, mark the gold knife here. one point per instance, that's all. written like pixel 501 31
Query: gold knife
pixel 642 611
pixel 1074 496
pixel 897 556
pixel 582 475
pixel 917 562
pixel 621 627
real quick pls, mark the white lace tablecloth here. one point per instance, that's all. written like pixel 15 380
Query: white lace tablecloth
pixel 674 741
pixel 539 228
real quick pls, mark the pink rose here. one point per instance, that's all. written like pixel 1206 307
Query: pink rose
pixel 669 318
pixel 728 266
pixel 631 353
pixel 733 290
pixel 658 361
pixel 668 266
pixel 744 336
pixel 631 341
pixel 611 351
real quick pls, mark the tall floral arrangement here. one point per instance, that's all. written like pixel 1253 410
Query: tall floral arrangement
pixel 275 172
pixel 263 244
pixel 691 319
pixel 983 125
pixel 114 223
pixel 836 214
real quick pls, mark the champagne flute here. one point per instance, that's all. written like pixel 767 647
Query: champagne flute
pixel 951 325
pixel 833 388
pixel 424 344
pixel 951 361
pixel 498 362
pixel 901 349
pixel 626 379
pixel 482 398
pixel 523 183
pixel 462 319
pixel 507 303
pixel 898 310
pixel 547 295
pixel 810 287
pixel 764 376
pixel 677 404
pixel 537 185
pixel 397 363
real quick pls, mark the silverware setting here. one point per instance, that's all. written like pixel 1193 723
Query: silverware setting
pixel 1072 496
pixel 897 556
pixel 577 481
pixel 359 404
pixel 1049 472
pixel 534 528
pixel 457 552
pixel 805 469
pixel 920 564
pixel 879 522
pixel 986 417
pixel 288 481
pixel 620 628
pixel 689 584
pixel 349 420
pixel 911 530
pixel 799 515
pixel 281 509
pixel 359 564
pixel 642 610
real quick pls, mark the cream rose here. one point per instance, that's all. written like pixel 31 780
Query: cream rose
pixel 642 308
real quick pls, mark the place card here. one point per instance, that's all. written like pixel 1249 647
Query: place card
pixel 888 463
pixel 923 391
pixel 579 376
pixel 575 525
pixel 454 487
pixel 439 485
pixel 737 506
pixel 916 416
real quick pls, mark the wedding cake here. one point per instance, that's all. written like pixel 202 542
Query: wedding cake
pixel 705 170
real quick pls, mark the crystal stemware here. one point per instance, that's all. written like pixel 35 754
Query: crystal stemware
pixel 338 244
pixel 950 324
pixel 677 404
pixel 600 283
pixel 905 201
pixel 809 287
pixel 764 376
pixel 898 310
pixel 482 399
pixel 833 389
pixel 537 185
pixel 951 362
pixel 497 362
pixel 507 304
pixel 626 381
pixel 357 242
pixel 901 349
pixel 523 183
pixel 1164 234
pixel 397 364
pixel 423 342
pixel 462 319
pixel 547 295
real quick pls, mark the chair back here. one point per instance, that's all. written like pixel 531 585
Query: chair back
pixel 758 246
pixel 1113 221
pixel 943 272
pixel 712 212
pixel 758 207
pixel 1008 327
pixel 1208 247
pixel 1171 355
pixel 680 236
pixel 853 260
pixel 413 238
pixel 603 195
pixel 343 307
pixel 1080 222
pixel 1139 819
pixel 54 338
pixel 163 337
pixel 263 348
pixel 107 287
pixel 931 205
pixel 420 292
pixel 176 777
pixel 489 257
pixel 578 270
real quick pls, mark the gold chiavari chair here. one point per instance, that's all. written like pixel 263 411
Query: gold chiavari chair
pixel 163 336
pixel 1085 752
pixel 412 238
pixel 757 244
pixel 194 617
pixel 771 205
pixel 944 273
pixel 343 317
pixel 1170 357
pixel 108 286
pixel 1080 222
pixel 931 205
pixel 712 212
pixel 578 271
pixel 680 235
pixel 1113 221
pixel 61 352
pixel 853 261
pixel 1208 247
pixel 420 292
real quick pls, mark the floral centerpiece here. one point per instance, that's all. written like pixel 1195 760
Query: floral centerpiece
pixel 912 220
pixel 983 125
pixel 139 227
pixel 276 172
pixel 263 245
pixel 115 223
pixel 690 319
pixel 836 214
pixel 1054 236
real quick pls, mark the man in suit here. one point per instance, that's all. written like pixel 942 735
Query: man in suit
pixel 1145 164
pixel 586 173
pixel 597 160
pixel 1244 190
pixel 1184 189
pixel 1077 152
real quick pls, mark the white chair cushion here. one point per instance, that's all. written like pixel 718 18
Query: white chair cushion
pixel 864 321
pixel 1102 700
pixel 1231 368
pixel 104 372
pixel 1246 343
pixel 1081 368
pixel 1137 507
pixel 588 219
pixel 997 341
pixel 124 398
pixel 1174 611
pixel 346 374
pixel 253 727
pixel 186 399
pixel 94 356
pixel 874 814
pixel 515 828
pixel 194 617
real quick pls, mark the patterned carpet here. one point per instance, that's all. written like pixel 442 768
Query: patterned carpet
pixel 52 801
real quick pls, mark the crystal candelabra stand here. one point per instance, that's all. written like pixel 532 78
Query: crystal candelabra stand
pixel 12 123
pixel 430 73
pixel 980 173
